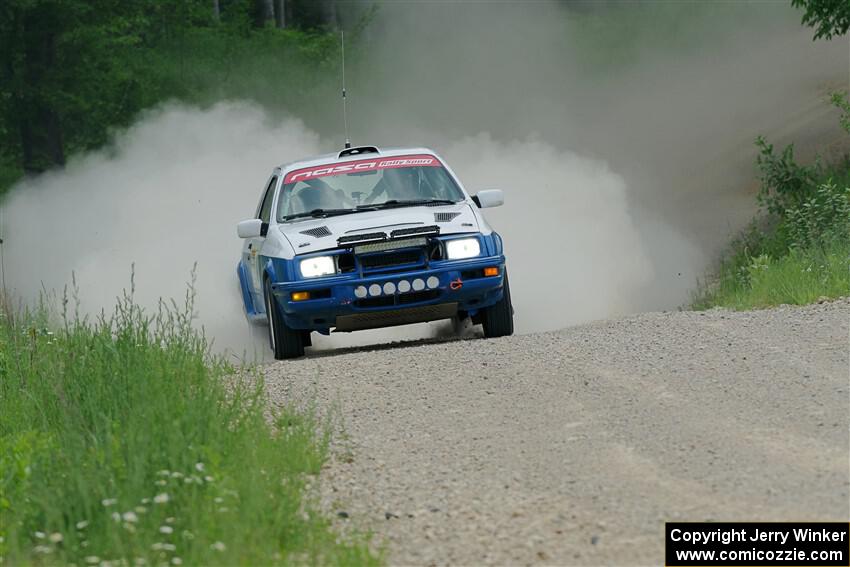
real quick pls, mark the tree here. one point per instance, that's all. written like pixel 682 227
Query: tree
pixel 280 13
pixel 829 17
pixel 264 12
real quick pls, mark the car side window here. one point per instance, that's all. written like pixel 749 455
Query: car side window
pixel 266 207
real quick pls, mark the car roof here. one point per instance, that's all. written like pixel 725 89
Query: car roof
pixel 360 152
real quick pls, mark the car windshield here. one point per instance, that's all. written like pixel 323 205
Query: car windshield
pixel 364 185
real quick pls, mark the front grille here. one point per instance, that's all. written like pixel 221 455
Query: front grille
pixel 417 296
pixel 390 259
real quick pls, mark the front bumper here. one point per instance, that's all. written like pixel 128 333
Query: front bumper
pixel 436 292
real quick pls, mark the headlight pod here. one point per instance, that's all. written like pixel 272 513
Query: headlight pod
pixel 462 248
pixel 317 266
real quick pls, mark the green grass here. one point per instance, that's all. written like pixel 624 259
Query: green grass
pixel 123 441
pixel 799 277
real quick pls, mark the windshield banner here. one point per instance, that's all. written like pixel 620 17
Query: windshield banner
pixel 420 160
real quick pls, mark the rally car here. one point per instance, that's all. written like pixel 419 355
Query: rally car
pixel 369 238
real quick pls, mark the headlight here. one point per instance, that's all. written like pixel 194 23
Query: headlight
pixel 462 248
pixel 318 266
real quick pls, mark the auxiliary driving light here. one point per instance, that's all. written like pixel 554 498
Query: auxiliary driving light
pixel 374 290
pixel 432 282
pixel 360 291
pixel 418 284
pixel 403 286
pixel 300 295
pixel 491 271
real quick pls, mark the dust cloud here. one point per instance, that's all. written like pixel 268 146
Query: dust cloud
pixel 622 139
pixel 167 195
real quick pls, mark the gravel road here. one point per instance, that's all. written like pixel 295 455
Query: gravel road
pixel 574 447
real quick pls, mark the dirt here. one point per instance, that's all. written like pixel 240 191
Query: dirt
pixel 574 447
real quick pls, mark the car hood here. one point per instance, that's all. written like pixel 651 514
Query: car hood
pixel 314 235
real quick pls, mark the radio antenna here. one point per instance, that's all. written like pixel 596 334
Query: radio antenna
pixel 344 114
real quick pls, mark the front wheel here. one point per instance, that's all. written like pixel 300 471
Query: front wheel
pixel 498 319
pixel 285 342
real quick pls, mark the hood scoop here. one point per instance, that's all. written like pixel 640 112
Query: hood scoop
pixel 445 217
pixel 318 232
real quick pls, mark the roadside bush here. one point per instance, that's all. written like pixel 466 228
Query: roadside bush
pixel 798 249
pixel 821 218
pixel 123 442
pixel 785 184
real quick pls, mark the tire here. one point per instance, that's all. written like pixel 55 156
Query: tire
pixel 460 323
pixel 498 319
pixel 285 342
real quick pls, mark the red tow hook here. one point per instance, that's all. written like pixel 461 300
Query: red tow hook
pixel 456 284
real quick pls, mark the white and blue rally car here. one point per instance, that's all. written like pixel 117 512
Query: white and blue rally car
pixel 370 238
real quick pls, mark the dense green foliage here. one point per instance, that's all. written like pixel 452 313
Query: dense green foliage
pixel 829 17
pixel 122 442
pixel 798 251
pixel 73 70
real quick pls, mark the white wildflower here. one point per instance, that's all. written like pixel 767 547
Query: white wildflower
pixel 176 561
pixel 42 549
pixel 146 500
pixel 165 529
pixel 161 498
pixel 218 499
pixel 169 520
pixel 163 473
pixel 208 478
pixel 140 509
pixel 223 509
pixel 92 559
pixel 188 535
pixel 140 561
pixel 176 474
pixel 159 546
pixel 130 517
pixel 161 482
pixel 39 535
pixel 116 516
pixel 81 525
pixel 188 480
pixel 84 543
pixel 199 467
pixel 109 502
pixel 218 546
pixel 56 537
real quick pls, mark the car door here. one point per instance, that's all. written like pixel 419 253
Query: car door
pixel 254 246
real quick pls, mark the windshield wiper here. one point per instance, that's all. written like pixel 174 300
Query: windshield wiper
pixel 408 203
pixel 320 213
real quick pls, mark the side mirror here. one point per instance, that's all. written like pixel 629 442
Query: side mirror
pixel 489 198
pixel 251 228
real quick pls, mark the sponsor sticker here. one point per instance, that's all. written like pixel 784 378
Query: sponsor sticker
pixel 328 170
